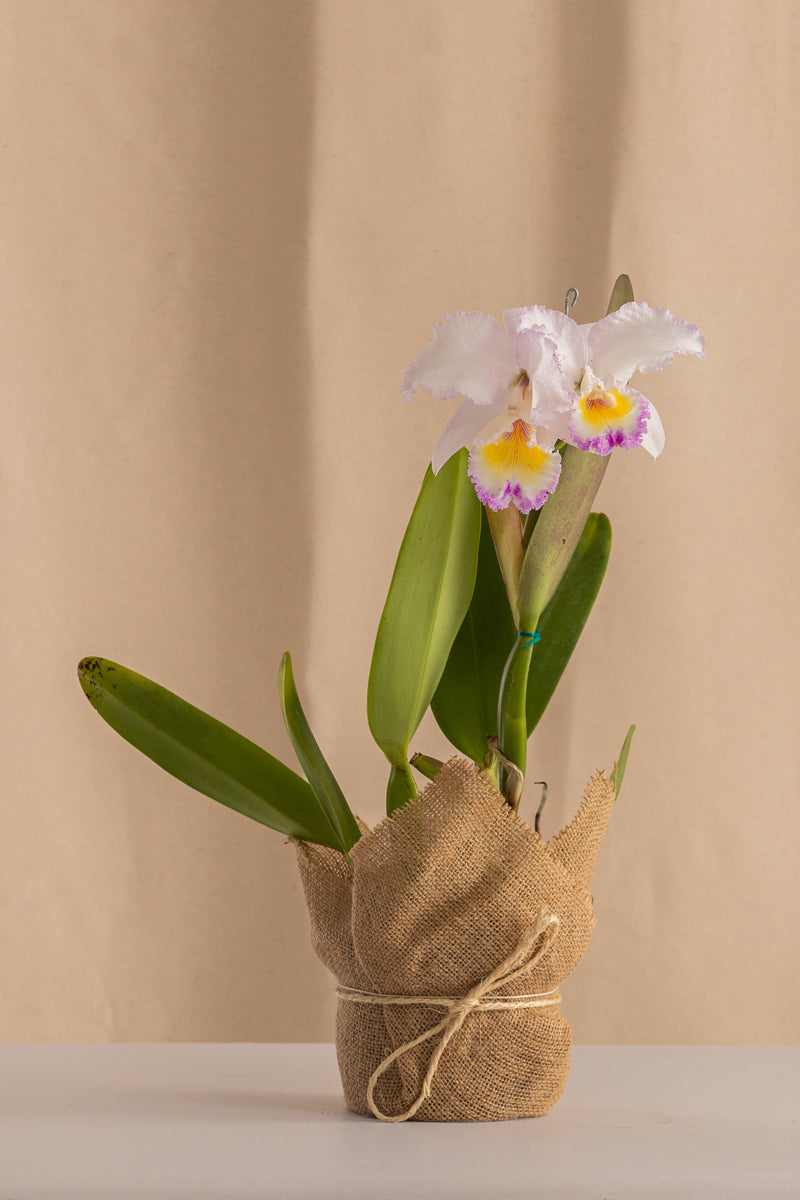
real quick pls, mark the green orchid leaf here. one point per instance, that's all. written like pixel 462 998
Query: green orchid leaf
pixel 465 702
pixel 557 530
pixel 311 759
pixel 621 293
pixel 563 620
pixel 618 774
pixel 204 753
pixel 428 599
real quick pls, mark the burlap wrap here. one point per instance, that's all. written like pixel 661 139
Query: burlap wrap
pixel 438 896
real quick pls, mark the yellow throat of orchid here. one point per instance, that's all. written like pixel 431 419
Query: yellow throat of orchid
pixel 603 405
pixel 512 469
pixel 512 454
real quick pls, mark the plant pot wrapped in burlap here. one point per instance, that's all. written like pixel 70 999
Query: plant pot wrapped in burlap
pixel 449 935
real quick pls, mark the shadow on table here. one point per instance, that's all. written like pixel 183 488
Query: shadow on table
pixel 174 1104
pixel 304 1106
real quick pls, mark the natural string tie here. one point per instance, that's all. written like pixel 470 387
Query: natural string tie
pixel 525 956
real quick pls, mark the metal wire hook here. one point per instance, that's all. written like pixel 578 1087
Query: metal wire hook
pixel 570 300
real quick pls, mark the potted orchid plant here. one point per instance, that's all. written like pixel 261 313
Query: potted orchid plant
pixel 455 902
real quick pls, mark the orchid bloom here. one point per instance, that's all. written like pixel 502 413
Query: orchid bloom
pixel 543 378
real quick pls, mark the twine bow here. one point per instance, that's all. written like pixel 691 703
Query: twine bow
pixel 526 955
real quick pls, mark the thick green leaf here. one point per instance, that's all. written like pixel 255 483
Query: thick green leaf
pixel 621 293
pixel 618 774
pixel 563 620
pixel 555 535
pixel 311 759
pixel 465 702
pixel 201 751
pixel 428 599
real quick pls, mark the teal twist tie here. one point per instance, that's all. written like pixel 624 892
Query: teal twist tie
pixel 533 637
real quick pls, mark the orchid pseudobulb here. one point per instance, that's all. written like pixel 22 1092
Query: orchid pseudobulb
pixel 543 379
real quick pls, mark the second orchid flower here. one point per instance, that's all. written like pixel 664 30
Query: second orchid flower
pixel 539 379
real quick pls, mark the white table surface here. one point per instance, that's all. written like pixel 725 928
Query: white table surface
pixel 240 1122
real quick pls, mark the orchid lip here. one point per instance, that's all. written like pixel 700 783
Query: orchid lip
pixel 511 468
pixel 607 419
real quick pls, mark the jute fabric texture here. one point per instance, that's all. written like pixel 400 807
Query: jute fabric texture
pixel 437 897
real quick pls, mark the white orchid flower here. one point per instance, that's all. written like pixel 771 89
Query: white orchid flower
pixel 545 378
pixel 471 355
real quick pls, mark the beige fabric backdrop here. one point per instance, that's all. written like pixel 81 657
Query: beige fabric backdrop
pixel 227 226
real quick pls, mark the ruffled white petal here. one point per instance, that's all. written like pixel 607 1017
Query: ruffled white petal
pixel 654 437
pixel 557 430
pixel 639 338
pixel 546 436
pixel 463 427
pixel 570 339
pixel 470 354
pixel 537 355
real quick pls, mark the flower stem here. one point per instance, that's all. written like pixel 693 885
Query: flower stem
pixel 401 787
pixel 549 550
pixel 512 722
